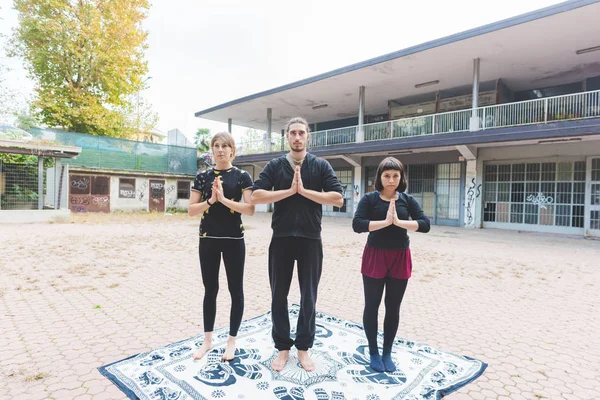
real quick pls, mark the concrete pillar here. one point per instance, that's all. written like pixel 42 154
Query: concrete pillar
pixel 472 193
pixel 360 133
pixel 57 183
pixel 268 134
pixel 229 122
pixel 40 183
pixel 357 188
pixel 474 123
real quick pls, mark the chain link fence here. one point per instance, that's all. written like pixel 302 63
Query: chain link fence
pixel 28 187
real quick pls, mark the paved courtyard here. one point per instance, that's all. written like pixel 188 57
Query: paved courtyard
pixel 76 296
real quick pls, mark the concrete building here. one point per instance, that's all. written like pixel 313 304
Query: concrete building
pixel 113 174
pixel 499 126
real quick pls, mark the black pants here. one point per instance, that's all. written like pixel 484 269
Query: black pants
pixel 394 292
pixel 234 255
pixel 283 251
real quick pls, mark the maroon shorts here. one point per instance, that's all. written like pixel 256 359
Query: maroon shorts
pixel 382 263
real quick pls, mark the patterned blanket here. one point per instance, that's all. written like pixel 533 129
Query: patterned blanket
pixel 340 353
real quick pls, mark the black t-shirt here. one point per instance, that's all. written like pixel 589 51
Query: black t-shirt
pixel 373 208
pixel 297 215
pixel 218 220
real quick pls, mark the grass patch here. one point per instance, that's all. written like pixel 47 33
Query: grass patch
pixel 37 377
pixel 80 270
pixel 71 288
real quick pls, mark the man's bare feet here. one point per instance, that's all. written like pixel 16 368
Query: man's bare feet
pixel 230 349
pixel 305 360
pixel 278 363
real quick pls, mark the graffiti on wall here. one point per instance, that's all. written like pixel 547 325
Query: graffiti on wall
pixel 473 194
pixel 85 201
pixel 540 199
pixel 81 183
pixel 127 193
pixel 356 196
pixel 101 201
pixel 142 190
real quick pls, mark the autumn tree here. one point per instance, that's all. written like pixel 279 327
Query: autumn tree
pixel 86 59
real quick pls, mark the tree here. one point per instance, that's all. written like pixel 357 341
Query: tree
pixel 255 141
pixel 139 116
pixel 202 139
pixel 86 58
pixel 7 96
pixel 24 119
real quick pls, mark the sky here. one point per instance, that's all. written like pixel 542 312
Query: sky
pixel 204 53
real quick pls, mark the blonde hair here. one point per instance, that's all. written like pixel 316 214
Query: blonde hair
pixel 227 139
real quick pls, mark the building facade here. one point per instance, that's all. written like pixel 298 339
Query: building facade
pixel 111 174
pixel 109 191
pixel 497 129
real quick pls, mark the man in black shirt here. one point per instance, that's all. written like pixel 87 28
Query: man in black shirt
pixel 299 184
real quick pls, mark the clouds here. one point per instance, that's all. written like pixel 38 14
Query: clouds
pixel 203 53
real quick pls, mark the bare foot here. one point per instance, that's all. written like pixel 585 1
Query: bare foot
pixel 305 360
pixel 230 349
pixel 278 364
pixel 205 348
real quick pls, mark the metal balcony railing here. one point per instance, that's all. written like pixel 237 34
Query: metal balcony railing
pixel 538 111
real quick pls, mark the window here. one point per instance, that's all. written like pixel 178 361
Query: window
pixel 183 189
pixel 422 181
pixel 100 185
pixel 127 188
pixel 80 184
pixel 551 193
pixel 345 177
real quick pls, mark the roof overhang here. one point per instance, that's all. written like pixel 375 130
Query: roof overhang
pixel 38 149
pixel 529 51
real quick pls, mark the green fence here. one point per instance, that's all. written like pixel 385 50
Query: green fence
pixel 120 154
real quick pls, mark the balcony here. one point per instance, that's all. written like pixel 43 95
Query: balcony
pixel 538 111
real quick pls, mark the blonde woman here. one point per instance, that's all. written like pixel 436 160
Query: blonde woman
pixel 217 194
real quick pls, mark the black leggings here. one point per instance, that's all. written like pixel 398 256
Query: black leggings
pixel 394 292
pixel 234 255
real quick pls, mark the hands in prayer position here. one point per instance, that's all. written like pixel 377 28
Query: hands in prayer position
pixel 392 216
pixel 297 185
pixel 217 191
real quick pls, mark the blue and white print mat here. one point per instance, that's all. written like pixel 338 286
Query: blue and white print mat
pixel 340 353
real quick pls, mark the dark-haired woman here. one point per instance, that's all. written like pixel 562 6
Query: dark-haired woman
pixel 387 214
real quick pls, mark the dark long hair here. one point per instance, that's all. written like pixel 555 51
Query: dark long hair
pixel 297 120
pixel 391 163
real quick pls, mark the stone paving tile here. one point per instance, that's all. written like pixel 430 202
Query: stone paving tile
pixel 522 302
